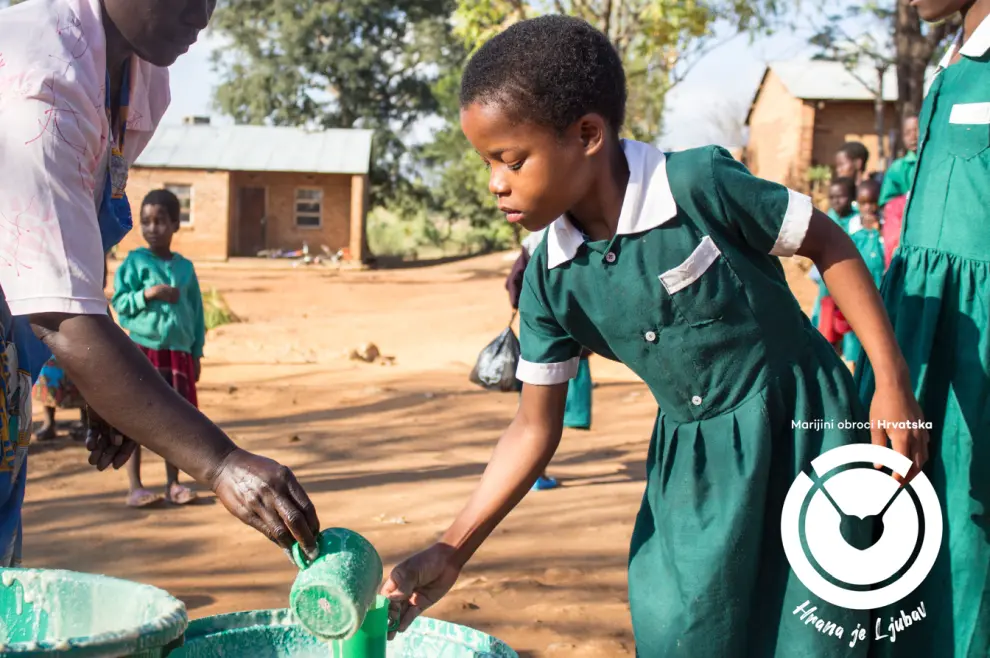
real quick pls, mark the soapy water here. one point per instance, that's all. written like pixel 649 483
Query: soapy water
pixel 60 611
pixel 275 634
pixel 46 610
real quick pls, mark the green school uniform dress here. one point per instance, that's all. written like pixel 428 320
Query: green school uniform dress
pixel 870 246
pixel 897 180
pixel 691 296
pixel 937 293
pixel 845 223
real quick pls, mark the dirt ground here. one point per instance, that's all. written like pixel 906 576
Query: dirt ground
pixel 389 451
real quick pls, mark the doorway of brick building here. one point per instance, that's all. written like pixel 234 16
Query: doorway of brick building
pixel 251 229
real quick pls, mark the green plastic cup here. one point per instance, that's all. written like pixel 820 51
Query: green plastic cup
pixel 371 638
pixel 332 594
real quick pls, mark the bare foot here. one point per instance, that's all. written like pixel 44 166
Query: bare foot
pixel 143 498
pixel 45 433
pixel 178 494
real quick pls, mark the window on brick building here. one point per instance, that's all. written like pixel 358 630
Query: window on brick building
pixel 184 193
pixel 309 207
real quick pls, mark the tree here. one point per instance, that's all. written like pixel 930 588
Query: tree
pixel 867 55
pixel 336 64
pixel 916 45
pixel 659 41
pixel 888 34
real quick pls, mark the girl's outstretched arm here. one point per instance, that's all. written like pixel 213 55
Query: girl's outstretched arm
pixel 520 456
pixel 856 295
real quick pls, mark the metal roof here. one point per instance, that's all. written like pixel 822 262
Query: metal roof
pixel 826 80
pixel 259 148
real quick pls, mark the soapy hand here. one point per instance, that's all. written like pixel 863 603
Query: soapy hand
pixel 418 583
pixel 106 445
pixel 266 496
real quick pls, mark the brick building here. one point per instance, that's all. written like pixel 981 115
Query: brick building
pixel 805 110
pixel 245 189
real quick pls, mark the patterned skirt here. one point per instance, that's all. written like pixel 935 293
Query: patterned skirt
pixel 55 390
pixel 178 369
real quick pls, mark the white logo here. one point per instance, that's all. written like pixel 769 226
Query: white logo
pixel 861 492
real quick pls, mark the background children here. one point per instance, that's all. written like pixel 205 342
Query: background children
pixel 937 293
pixel 669 264
pixel 825 315
pixel 864 230
pixel 54 391
pixel 158 300
pixel 897 180
pixel 896 186
pixel 851 160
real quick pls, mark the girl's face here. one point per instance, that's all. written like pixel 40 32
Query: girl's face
pixel 911 133
pixel 938 10
pixel 868 209
pixel 840 199
pixel 536 174
pixel 159 30
pixel 158 227
pixel 845 167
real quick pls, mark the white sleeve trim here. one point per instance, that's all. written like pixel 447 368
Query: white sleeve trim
pixel 795 224
pixel 35 305
pixel 547 374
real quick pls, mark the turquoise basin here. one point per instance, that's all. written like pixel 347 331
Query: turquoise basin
pixel 48 613
pixel 275 634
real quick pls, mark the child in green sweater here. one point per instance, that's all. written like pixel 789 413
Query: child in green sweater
pixel 158 300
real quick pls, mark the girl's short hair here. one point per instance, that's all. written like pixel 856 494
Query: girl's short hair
pixel 550 71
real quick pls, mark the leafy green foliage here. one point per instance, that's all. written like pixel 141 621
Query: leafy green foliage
pixel 215 310
pixel 335 64
pixel 658 41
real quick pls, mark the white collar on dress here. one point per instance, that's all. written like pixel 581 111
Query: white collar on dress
pixel 647 204
pixel 977 46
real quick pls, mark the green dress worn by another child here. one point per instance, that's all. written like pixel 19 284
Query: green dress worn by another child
pixel 937 293
pixel 869 244
pixel 691 296
pixel 845 223
pixel 897 179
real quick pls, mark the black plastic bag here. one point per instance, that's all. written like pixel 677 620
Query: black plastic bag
pixel 496 366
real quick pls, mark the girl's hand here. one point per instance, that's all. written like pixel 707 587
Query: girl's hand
pixel 198 368
pixel 418 583
pixel 897 405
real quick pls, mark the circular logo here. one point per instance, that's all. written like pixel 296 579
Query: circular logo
pixel 861 528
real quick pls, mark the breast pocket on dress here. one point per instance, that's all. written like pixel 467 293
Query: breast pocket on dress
pixel 969 129
pixel 701 287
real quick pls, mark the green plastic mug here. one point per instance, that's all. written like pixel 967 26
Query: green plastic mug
pixel 332 594
pixel 371 638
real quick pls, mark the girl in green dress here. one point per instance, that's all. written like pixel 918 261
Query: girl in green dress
pixel 667 263
pixel 937 293
pixel 842 211
pixel 864 231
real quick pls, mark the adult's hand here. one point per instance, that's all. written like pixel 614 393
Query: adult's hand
pixel 107 446
pixel 266 496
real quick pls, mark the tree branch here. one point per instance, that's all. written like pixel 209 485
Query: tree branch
pixel 608 18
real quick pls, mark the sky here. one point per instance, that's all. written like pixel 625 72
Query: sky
pixel 717 89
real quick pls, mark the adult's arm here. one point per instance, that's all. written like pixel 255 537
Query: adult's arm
pixel 52 272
